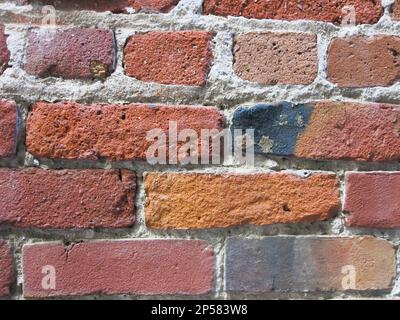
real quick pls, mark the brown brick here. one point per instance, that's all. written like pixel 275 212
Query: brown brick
pixel 116 132
pixel 169 57
pixel 146 267
pixel 396 11
pixel 197 200
pixel 8 128
pixel 6 269
pixel 271 58
pixel 364 62
pixel 77 53
pixel 320 10
pixel 34 198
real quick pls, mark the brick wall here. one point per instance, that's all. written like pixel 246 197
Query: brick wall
pixel 82 211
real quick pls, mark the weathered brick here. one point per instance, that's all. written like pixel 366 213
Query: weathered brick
pixel 324 130
pixel 320 10
pixel 364 62
pixel 271 58
pixel 116 132
pixel 6 269
pixel 299 264
pixel 115 6
pixel 76 53
pixel 197 200
pixel 8 128
pixel 372 199
pixel 182 57
pixel 66 198
pixel 146 267
pixel 395 11
pixel 4 52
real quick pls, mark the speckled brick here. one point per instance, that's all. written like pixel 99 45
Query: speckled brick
pixel 139 267
pixel 312 264
pixel 373 199
pixel 395 11
pixel 6 269
pixel 364 61
pixel 115 6
pixel 205 200
pixel 4 52
pixel 61 199
pixel 76 53
pixel 325 130
pixel 271 58
pixel 182 57
pixel 320 10
pixel 8 128
pixel 115 132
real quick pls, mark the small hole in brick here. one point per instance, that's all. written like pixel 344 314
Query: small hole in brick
pixel 286 208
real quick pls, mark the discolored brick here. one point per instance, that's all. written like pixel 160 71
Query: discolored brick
pixel 309 264
pixel 116 132
pixel 271 58
pixel 8 128
pixel 181 58
pixel 4 52
pixel 145 267
pixel 364 62
pixel 336 11
pixel 202 200
pixel 76 53
pixel 35 198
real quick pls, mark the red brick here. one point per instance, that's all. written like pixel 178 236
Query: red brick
pixel 8 128
pixel 115 6
pixel 292 57
pixel 116 132
pixel 364 62
pixel 4 52
pixel 373 200
pixel 6 269
pixel 145 267
pixel 205 200
pixel 395 10
pixel 35 198
pixel 77 53
pixel 169 57
pixel 322 10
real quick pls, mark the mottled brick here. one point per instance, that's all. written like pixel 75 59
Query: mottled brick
pixel 4 52
pixel 6 269
pixel 145 267
pixel 115 6
pixel 35 198
pixel 8 128
pixel 76 53
pixel 312 264
pixel 116 132
pixel 395 11
pixel 324 130
pixel 182 57
pixel 321 10
pixel 205 200
pixel 364 62
pixel 270 58
pixel 373 199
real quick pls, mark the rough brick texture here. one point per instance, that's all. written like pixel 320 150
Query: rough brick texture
pixel 169 57
pixel 396 11
pixel 147 267
pixel 372 200
pixel 324 130
pixel 4 52
pixel 8 128
pixel 77 53
pixel 271 58
pixel 116 132
pixel 38 198
pixel 330 11
pixel 309 264
pixel 364 62
pixel 115 6
pixel 195 200
pixel 6 269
